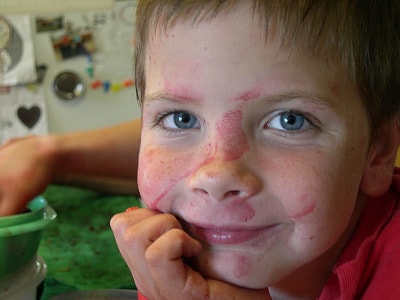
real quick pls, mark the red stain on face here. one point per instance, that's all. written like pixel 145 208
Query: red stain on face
pixel 172 79
pixel 306 208
pixel 232 140
pixel 239 211
pixel 166 168
pixel 242 267
pixel 248 95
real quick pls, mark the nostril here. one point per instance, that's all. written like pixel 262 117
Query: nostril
pixel 201 192
pixel 204 194
pixel 231 193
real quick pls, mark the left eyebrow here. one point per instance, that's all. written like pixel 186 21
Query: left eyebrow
pixel 289 95
pixel 310 97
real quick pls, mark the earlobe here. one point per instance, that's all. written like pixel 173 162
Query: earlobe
pixel 378 169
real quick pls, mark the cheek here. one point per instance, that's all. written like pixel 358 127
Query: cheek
pixel 316 189
pixel 299 183
pixel 290 179
pixel 306 205
pixel 158 172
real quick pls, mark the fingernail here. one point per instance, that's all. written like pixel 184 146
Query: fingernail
pixel 132 208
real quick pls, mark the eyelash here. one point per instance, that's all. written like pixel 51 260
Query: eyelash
pixel 285 133
pixel 292 133
pixel 161 116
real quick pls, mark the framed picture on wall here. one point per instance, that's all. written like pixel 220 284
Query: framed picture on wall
pixel 17 59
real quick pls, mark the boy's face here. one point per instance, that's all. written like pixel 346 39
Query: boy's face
pixel 259 153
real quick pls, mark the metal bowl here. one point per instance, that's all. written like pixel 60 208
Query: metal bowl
pixel 68 85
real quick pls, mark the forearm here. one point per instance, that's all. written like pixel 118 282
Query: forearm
pixel 104 159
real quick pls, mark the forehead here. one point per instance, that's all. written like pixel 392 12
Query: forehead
pixel 276 26
pixel 309 27
pixel 230 48
pixel 216 49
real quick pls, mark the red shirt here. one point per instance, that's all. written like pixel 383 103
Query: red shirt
pixel 369 266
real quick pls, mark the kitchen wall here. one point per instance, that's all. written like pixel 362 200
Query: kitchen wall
pixel 109 97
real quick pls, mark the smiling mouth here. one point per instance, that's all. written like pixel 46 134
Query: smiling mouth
pixel 226 236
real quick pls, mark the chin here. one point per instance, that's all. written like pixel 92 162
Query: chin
pixel 235 268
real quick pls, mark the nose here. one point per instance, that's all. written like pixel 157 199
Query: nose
pixel 220 180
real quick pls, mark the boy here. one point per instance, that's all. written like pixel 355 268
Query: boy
pixel 269 136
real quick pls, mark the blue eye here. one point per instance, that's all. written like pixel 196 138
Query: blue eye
pixel 288 120
pixel 180 120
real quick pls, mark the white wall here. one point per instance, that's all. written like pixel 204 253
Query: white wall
pixel 24 6
pixel 96 108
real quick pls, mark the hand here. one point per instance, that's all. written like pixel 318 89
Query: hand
pixel 155 246
pixel 24 173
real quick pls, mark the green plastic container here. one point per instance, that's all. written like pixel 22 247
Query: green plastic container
pixel 34 211
pixel 20 239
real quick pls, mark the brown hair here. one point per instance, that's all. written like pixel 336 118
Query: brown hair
pixel 362 35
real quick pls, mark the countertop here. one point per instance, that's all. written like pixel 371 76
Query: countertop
pixel 78 246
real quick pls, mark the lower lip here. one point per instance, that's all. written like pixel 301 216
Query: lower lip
pixel 225 237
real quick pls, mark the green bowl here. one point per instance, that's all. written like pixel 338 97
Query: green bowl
pixel 34 211
pixel 19 242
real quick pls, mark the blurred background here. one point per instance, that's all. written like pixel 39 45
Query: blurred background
pixel 65 65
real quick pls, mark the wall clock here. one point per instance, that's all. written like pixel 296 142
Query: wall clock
pixel 5 33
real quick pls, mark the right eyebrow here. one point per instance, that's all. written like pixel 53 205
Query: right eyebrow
pixel 166 97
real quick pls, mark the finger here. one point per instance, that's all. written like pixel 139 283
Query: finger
pixel 123 226
pixel 147 227
pixel 120 222
pixel 135 232
pixel 165 258
pixel 131 236
pixel 10 206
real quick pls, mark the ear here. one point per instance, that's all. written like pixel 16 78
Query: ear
pixel 378 169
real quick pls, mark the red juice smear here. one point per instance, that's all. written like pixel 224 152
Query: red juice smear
pixel 307 207
pixel 233 141
pixel 230 141
pixel 242 267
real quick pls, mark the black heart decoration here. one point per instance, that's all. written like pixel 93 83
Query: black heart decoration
pixel 29 116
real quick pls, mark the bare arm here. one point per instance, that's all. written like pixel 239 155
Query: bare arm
pixel 104 159
pixel 100 157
